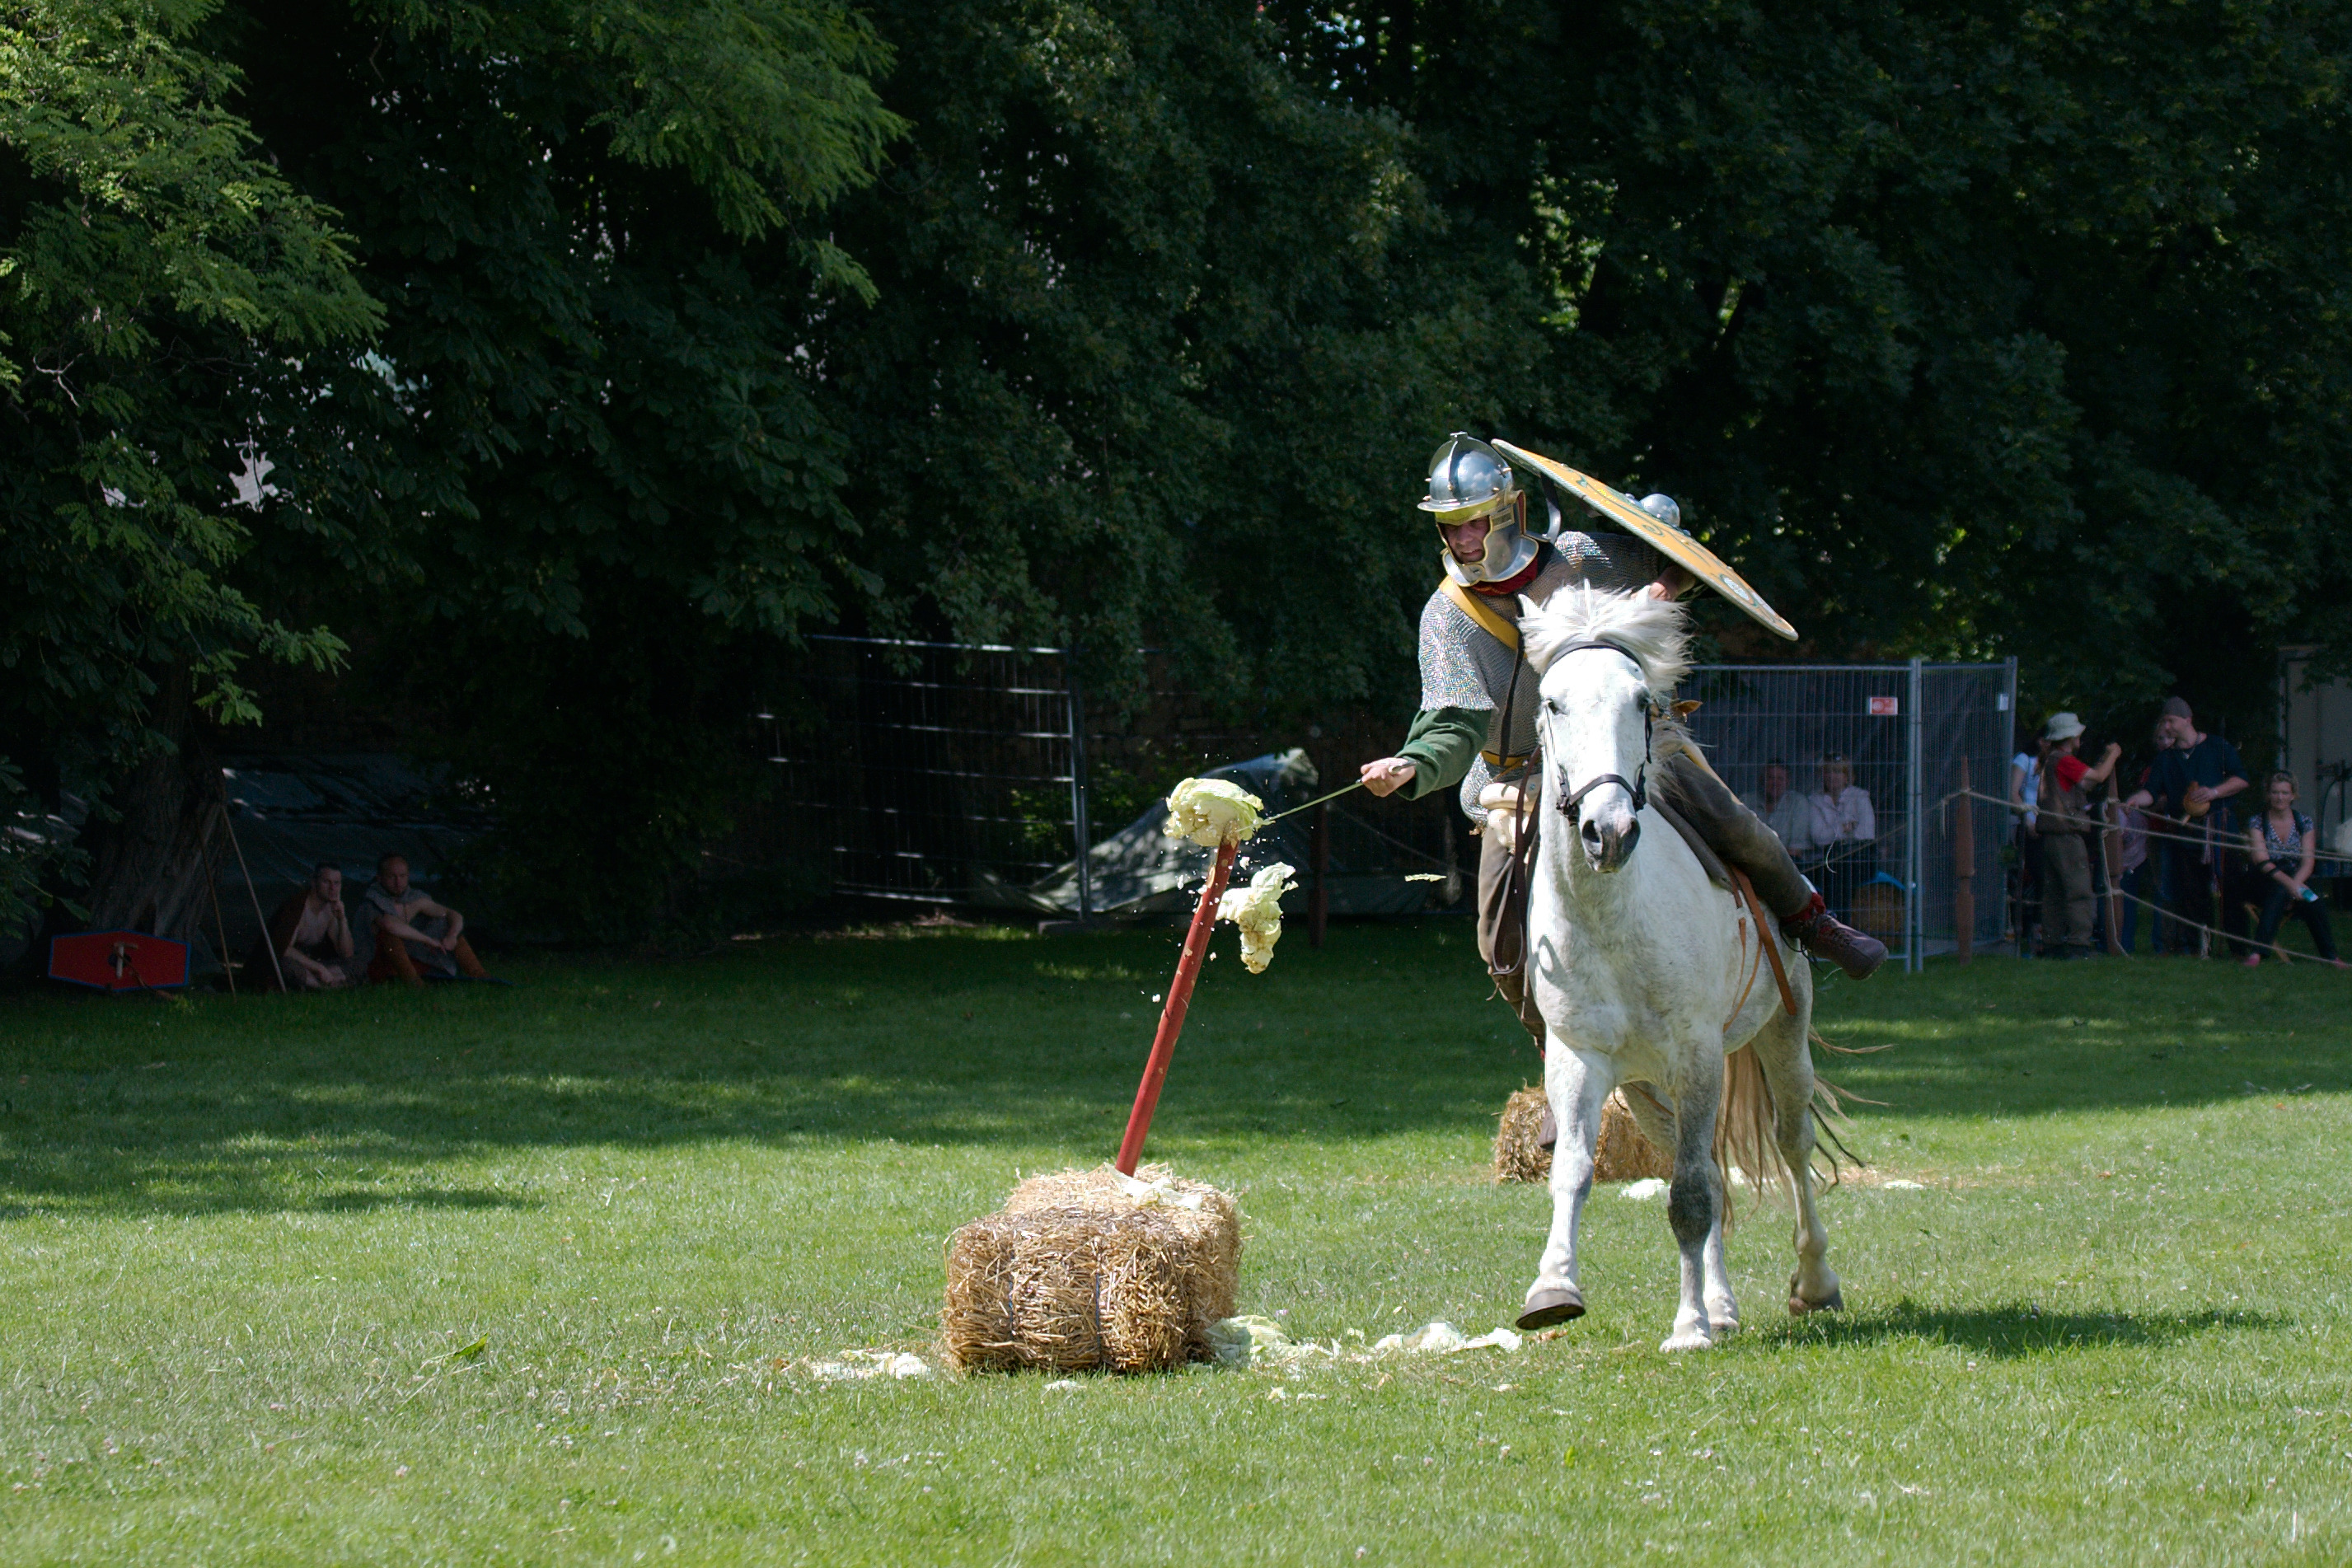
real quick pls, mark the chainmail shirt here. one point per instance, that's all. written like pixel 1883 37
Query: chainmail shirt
pixel 1464 666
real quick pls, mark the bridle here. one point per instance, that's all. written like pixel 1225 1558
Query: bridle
pixel 1639 785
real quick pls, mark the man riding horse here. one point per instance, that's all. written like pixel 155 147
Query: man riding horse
pixel 1476 727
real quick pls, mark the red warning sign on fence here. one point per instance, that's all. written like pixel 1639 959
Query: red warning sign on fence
pixel 1885 708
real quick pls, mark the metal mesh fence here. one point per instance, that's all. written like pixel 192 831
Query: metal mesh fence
pixel 1887 852
pixel 942 773
pixel 915 770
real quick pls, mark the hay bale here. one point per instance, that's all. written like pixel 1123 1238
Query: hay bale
pixel 1516 1157
pixel 1620 1154
pixel 1088 1271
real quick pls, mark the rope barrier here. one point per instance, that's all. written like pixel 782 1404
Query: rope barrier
pixel 2223 840
pixel 2164 913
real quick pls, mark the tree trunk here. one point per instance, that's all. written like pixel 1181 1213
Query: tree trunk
pixel 153 867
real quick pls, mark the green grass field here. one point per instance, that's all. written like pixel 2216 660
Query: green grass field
pixel 529 1275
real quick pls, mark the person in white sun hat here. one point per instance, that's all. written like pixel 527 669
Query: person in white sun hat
pixel 2066 823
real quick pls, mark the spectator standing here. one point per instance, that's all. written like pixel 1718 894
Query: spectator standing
pixel 1789 815
pixel 1844 829
pixel 2280 849
pixel 2186 793
pixel 2139 877
pixel 2066 824
pixel 416 936
pixel 2024 771
pixel 2132 832
pixel 2024 781
pixel 311 936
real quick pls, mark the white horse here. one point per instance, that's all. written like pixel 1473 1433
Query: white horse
pixel 1644 971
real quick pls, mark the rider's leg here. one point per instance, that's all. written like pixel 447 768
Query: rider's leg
pixel 1741 837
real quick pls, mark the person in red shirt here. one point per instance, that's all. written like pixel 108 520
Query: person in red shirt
pixel 2066 823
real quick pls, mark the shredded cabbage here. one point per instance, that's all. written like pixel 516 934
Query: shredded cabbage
pixel 1256 908
pixel 1212 812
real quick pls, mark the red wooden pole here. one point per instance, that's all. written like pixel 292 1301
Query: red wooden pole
pixel 1172 1017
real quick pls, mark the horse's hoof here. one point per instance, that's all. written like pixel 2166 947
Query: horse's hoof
pixel 1696 1339
pixel 1798 1307
pixel 1722 1326
pixel 1546 1308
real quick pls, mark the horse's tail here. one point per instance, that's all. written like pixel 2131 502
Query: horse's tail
pixel 1743 1126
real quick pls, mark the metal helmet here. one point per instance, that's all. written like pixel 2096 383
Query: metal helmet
pixel 1663 508
pixel 1468 480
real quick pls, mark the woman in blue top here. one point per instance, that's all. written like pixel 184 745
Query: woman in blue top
pixel 2280 849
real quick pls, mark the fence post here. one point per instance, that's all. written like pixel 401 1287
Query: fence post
pixel 1963 868
pixel 1079 826
pixel 1914 919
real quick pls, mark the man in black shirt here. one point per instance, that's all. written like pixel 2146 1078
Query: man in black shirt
pixel 2185 793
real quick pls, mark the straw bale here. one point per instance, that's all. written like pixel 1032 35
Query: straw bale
pixel 1084 1270
pixel 1620 1154
pixel 1516 1157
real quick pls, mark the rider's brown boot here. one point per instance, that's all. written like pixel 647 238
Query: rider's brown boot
pixel 1826 937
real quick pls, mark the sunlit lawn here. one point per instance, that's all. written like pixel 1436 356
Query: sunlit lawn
pixel 248 1244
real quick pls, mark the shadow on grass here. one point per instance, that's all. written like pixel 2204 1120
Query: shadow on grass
pixel 2018 1330
pixel 971 1038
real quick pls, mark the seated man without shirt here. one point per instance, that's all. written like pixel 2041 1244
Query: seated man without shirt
pixel 414 936
pixel 310 937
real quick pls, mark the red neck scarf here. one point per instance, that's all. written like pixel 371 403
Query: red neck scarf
pixel 1512 583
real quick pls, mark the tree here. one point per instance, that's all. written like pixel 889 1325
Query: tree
pixel 553 346
pixel 155 276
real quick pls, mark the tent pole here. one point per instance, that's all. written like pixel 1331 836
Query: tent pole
pixel 275 966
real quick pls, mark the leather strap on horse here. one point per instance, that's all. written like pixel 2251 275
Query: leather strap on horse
pixel 1515 885
pixel 1741 910
pixel 1771 949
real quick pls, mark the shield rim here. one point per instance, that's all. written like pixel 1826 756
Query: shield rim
pixel 1687 551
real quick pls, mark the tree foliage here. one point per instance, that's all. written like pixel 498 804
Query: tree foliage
pixel 1965 330
pixel 155 274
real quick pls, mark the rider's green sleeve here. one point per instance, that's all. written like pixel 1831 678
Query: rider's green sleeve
pixel 1440 745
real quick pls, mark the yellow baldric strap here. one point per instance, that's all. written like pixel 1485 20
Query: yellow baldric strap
pixel 1502 764
pixel 1496 624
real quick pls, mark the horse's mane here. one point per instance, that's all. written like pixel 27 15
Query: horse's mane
pixel 1655 632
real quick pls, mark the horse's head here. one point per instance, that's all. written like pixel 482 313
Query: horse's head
pixel 1608 664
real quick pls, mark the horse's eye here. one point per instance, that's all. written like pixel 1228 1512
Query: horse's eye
pixel 1552 707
